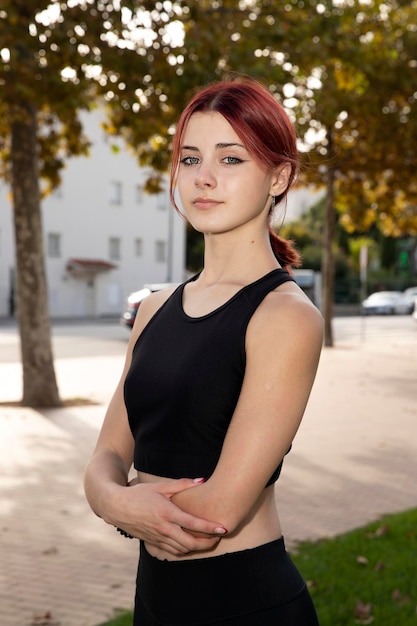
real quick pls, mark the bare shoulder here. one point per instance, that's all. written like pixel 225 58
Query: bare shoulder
pixel 287 313
pixel 149 306
pixel 156 299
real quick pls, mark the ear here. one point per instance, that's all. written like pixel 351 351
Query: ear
pixel 280 179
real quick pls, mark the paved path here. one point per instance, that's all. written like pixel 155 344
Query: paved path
pixel 354 459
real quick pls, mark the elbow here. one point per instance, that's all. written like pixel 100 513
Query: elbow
pixel 230 516
pixel 225 507
pixel 235 506
pixel 226 511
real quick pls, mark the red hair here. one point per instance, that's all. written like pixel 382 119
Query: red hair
pixel 264 128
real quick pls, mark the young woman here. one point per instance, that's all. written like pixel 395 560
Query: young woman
pixel 217 377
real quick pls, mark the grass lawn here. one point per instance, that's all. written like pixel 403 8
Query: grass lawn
pixel 367 576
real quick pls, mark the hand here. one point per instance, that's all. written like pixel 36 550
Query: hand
pixel 149 514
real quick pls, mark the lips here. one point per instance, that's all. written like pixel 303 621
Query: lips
pixel 205 203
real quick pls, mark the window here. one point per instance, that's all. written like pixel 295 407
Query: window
pixel 115 192
pixel 138 247
pixel 139 194
pixel 161 201
pixel 114 248
pixel 160 251
pixel 54 245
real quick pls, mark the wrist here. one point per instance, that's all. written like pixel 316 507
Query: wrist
pixel 110 504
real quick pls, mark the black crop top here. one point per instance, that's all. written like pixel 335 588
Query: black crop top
pixel 185 379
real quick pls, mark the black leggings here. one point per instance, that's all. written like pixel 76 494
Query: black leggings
pixel 256 587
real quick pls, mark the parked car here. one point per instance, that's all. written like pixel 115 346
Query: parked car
pixel 411 293
pixel 415 310
pixel 134 300
pixel 387 303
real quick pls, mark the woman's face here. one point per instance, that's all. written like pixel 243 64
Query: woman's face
pixel 220 184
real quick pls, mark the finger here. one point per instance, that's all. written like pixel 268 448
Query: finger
pixel 186 520
pixel 182 541
pixel 186 543
pixel 176 486
pixel 198 544
pixel 199 525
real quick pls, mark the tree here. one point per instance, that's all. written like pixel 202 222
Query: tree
pixel 355 93
pixel 327 60
pixel 324 59
pixel 56 59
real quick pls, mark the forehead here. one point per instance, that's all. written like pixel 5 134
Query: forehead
pixel 209 127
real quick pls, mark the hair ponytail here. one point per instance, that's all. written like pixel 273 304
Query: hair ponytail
pixel 284 251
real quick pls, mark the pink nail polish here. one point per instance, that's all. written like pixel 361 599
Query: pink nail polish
pixel 221 530
pixel 198 481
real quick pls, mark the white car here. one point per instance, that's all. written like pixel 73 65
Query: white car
pixel 133 301
pixel 387 303
pixel 411 293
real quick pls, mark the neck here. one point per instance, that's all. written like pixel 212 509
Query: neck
pixel 238 260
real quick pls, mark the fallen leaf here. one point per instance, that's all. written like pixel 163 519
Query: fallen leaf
pixel 362 560
pixel 45 620
pixel 400 598
pixel 381 530
pixel 312 584
pixel 363 613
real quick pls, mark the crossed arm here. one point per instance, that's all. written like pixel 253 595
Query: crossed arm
pixel 283 344
pixel 145 510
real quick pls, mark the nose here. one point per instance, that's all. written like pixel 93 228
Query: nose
pixel 204 177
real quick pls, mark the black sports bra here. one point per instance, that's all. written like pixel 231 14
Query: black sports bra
pixel 185 379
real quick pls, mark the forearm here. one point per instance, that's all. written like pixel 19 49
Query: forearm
pixel 213 501
pixel 145 510
pixel 105 477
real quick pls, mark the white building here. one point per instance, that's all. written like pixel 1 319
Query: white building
pixel 104 236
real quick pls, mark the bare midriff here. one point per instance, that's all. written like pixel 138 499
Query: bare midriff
pixel 261 526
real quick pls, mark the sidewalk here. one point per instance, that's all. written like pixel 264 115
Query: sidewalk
pixel 354 459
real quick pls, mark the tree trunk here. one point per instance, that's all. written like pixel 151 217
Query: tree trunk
pixel 328 255
pixel 39 381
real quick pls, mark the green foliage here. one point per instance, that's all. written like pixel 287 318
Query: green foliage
pixel 194 250
pixel 355 245
pixel 388 279
pixel 345 71
pixel 366 576
pixel 388 252
pixel 62 58
pixel 123 619
pixel 383 272
pixel 364 106
pixel 299 233
pixel 311 257
pixel 307 233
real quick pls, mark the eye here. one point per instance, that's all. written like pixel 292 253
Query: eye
pixel 229 160
pixel 189 160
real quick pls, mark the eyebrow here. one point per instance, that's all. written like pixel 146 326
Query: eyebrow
pixel 218 146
